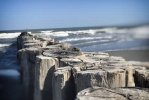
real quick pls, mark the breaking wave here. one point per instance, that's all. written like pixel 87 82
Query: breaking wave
pixel 6 39
pixel 86 38
pixel 137 32
pixel 9 35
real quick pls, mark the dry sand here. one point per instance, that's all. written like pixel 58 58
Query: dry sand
pixel 132 55
pixel 135 55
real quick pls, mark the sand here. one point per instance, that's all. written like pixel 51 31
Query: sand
pixel 132 55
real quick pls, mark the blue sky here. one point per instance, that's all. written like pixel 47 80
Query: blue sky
pixel 28 14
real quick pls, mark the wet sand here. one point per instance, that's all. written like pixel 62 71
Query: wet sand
pixel 132 55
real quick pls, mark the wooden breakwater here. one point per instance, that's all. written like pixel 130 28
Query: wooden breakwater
pixel 59 71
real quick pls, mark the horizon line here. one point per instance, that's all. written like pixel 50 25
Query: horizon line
pixel 59 28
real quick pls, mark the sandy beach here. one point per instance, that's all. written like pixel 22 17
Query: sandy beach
pixel 132 55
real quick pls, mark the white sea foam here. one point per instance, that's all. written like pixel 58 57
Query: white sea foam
pixel 9 35
pixel 76 39
pixel 85 38
pixel 4 45
pixel 137 32
pixel 123 34
pixel 67 33
pixel 55 34
pixel 92 42
pixel 141 32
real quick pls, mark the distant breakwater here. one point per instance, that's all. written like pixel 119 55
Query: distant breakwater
pixel 58 71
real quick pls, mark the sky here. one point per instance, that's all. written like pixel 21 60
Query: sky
pixel 37 14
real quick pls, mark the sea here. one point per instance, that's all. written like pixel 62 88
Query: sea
pixel 92 39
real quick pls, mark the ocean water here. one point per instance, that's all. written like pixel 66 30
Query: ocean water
pixel 92 38
pixel 103 39
pixel 10 77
